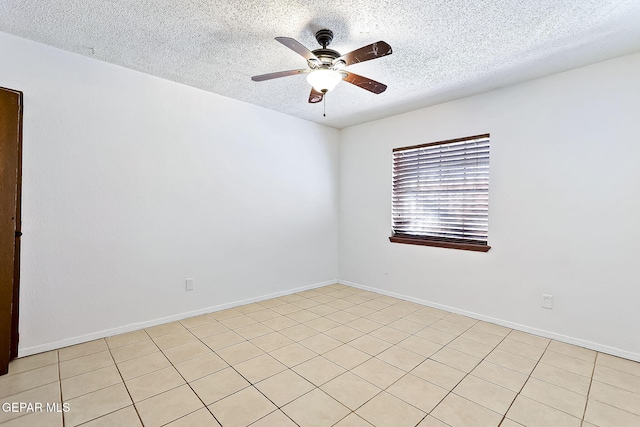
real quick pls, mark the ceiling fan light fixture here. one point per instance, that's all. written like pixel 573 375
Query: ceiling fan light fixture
pixel 324 80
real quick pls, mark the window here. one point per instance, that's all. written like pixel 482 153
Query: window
pixel 441 194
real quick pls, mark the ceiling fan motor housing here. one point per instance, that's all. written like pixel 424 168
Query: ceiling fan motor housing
pixel 326 56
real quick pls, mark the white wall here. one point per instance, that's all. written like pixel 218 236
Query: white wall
pixel 564 207
pixel 133 184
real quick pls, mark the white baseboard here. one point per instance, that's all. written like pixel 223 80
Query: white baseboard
pixel 27 351
pixel 524 328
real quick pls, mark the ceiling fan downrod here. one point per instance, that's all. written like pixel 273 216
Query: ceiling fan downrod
pixel 324 38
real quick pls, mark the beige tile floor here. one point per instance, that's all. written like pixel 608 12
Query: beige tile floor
pixel 333 356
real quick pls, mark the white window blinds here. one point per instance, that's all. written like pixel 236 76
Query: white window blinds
pixel 441 191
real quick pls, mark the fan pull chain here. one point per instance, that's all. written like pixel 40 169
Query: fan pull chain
pixel 324 106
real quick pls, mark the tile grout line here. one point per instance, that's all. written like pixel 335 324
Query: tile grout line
pixel 465 376
pixel 468 373
pixel 232 367
pixel 291 367
pixel 586 402
pixel 539 361
pixel 317 355
pixel 427 358
pixel 101 388
pixel 120 373
pixel 185 380
pixel 408 372
pixel 558 386
pixel 525 383
pixel 250 385
pixel 181 375
pixel 194 392
pixel 133 403
pixel 342 343
pixel 60 382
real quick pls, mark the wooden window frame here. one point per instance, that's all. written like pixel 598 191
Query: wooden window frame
pixel 440 242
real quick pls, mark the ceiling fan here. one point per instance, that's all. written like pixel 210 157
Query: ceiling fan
pixel 326 66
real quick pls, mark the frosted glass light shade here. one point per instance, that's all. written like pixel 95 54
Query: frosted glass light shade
pixel 324 80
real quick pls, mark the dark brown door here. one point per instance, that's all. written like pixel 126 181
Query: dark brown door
pixel 10 189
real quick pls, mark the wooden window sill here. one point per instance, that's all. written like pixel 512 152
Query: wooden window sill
pixel 440 244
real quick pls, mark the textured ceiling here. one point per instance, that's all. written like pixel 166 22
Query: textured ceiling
pixel 442 49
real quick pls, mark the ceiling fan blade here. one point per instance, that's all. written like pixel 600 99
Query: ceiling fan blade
pixel 364 82
pixel 366 53
pixel 298 48
pixel 315 96
pixel 278 74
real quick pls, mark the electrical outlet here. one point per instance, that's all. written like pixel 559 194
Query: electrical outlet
pixel 189 283
pixel 547 301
